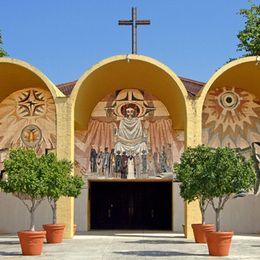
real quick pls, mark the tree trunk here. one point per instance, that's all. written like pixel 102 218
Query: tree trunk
pixel 54 212
pixel 217 219
pixel 32 224
pixel 203 216
pixel 203 208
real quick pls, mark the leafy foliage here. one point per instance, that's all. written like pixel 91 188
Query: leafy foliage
pixel 192 172
pixel 249 37
pixel 229 173
pixel 25 174
pixel 214 175
pixel 25 179
pixel 75 184
pixel 56 175
pixel 33 178
pixel 2 51
pixel 59 181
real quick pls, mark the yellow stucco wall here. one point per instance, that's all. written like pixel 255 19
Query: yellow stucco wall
pixel 126 71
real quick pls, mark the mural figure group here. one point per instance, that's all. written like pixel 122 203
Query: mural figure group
pixel 129 165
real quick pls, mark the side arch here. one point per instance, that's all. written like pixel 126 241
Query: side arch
pixel 16 74
pixel 241 72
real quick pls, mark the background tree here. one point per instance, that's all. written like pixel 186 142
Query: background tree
pixel 249 37
pixel 192 173
pixel 59 181
pixel 25 179
pixel 2 51
pixel 229 173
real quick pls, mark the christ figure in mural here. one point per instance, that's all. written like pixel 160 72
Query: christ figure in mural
pixel 130 134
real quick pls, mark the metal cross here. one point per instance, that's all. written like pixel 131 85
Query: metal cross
pixel 134 22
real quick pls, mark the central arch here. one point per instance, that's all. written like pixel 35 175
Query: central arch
pixel 130 72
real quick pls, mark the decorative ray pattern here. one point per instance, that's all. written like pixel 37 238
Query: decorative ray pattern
pixel 231 117
pixel 27 118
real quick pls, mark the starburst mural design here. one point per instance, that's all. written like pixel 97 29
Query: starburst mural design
pixel 31 103
pixel 23 108
pixel 231 117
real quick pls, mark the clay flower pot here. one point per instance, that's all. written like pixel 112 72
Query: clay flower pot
pixel 74 229
pixel 199 231
pixel 219 243
pixel 54 232
pixel 31 241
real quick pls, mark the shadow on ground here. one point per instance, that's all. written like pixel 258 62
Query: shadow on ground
pixel 9 243
pixel 171 242
pixel 156 253
pixel 126 234
pixel 3 253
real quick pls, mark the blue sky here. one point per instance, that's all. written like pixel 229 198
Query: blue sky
pixel 63 38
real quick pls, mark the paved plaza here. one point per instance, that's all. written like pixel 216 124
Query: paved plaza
pixel 130 245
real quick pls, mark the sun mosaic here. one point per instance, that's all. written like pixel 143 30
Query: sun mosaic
pixel 28 119
pixel 231 117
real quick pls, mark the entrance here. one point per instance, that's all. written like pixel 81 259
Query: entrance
pixel 131 205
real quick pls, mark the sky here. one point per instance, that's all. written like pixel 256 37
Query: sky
pixel 63 38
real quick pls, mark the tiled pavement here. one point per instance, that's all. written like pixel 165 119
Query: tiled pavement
pixel 131 245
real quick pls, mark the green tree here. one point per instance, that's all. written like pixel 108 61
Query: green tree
pixel 25 179
pixel 2 51
pixel 229 173
pixel 59 181
pixel 192 172
pixel 249 37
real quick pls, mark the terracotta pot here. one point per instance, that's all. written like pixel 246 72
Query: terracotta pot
pixel 54 232
pixel 74 229
pixel 199 232
pixel 219 243
pixel 31 241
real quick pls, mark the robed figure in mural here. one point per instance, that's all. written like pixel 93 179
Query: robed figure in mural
pixel 130 134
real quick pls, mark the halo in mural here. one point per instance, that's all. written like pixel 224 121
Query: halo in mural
pixel 231 117
pixel 31 135
pixel 130 98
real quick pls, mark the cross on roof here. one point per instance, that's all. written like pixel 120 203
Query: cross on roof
pixel 134 23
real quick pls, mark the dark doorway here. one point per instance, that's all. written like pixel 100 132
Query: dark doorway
pixel 131 205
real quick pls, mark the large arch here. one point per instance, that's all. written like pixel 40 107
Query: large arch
pixel 129 71
pixel 235 126
pixel 17 76
pixel 137 71
pixel 243 73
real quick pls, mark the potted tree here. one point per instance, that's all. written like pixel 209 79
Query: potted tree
pixel 229 173
pixel 192 173
pixel 24 172
pixel 59 182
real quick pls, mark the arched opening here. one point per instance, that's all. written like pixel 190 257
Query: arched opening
pixel 27 119
pixel 231 112
pixel 140 95
pixel 231 118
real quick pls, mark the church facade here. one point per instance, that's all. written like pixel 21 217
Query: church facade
pixel 124 124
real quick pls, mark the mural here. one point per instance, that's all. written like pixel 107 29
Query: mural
pixel 231 117
pixel 130 135
pixel 27 119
